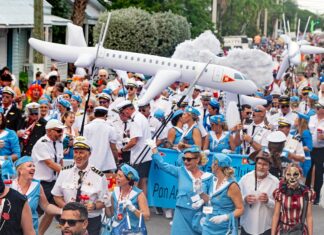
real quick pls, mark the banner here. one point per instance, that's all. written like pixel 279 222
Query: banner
pixel 163 187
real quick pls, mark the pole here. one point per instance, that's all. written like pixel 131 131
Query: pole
pixel 145 150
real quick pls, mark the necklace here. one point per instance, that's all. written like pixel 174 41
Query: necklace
pixel 219 185
pixel 120 200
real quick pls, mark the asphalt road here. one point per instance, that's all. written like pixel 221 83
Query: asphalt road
pixel 158 225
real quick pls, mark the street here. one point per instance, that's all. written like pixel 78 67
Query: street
pixel 158 225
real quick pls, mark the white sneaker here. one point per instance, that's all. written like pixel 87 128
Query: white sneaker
pixel 171 222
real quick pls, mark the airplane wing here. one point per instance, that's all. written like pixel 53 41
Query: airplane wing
pixel 283 67
pixel 306 49
pixel 163 79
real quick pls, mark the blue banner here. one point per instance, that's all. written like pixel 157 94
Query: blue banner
pixel 163 187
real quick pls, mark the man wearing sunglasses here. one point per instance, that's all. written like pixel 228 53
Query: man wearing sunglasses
pixel 255 134
pixel 131 87
pixel 303 105
pixel 47 156
pixel 74 219
pixel 285 111
pixel 32 128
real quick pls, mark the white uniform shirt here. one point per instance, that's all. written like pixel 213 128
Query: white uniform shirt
pixel 259 135
pixel 257 218
pixel 99 135
pixel 275 118
pixel 316 126
pixel 294 146
pixel 44 150
pixel 140 128
pixel 94 185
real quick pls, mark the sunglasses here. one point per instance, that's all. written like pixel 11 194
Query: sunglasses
pixel 306 93
pixel 33 114
pixel 141 110
pixel 248 113
pixel 90 107
pixel 257 110
pixel 129 88
pixel 103 102
pixel 58 130
pixel 71 222
pixel 188 159
pixel 284 106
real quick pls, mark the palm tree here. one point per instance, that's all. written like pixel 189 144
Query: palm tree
pixel 78 13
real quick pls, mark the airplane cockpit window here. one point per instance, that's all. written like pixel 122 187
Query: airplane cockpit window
pixel 238 76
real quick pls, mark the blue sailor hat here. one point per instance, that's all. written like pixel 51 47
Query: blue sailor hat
pixel 159 114
pixel 192 110
pixel 177 113
pixel 259 94
pixel 77 98
pixel 43 102
pixel 22 160
pixel 68 92
pixel 303 116
pixel 130 172
pixel 122 92
pixel 217 119
pixel 294 99
pixel 192 149
pixel 222 159
pixel 313 96
pixel 64 103
pixel 214 103
pixel 108 91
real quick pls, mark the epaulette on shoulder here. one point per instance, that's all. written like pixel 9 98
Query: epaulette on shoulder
pixel 67 167
pixel 44 140
pixel 95 170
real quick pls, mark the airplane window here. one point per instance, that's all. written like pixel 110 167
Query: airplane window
pixel 107 54
pixel 114 55
pixel 193 68
pixel 156 61
pixel 138 59
pixel 144 60
pixel 125 57
pixel 132 58
pixel 162 62
pixel 238 76
pixel 187 67
pixel 120 56
pixel 150 60
pixel 169 64
pixel 175 65
pixel 206 70
pixel 181 66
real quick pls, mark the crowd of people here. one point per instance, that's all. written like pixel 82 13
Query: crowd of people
pixel 110 135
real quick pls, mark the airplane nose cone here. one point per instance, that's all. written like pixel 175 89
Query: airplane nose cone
pixel 244 87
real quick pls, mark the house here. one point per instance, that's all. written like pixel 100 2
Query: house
pixel 16 24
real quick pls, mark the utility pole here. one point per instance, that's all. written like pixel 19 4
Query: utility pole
pixel 214 14
pixel 38 30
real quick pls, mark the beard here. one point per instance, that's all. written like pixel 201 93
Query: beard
pixel 261 174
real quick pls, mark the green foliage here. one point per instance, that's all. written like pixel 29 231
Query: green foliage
pixel 136 30
pixel 23 81
pixel 130 29
pixel 172 30
pixel 195 11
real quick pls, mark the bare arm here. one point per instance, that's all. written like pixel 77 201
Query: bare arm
pixel 206 143
pixel 109 211
pixel 275 218
pixel 26 220
pixel 48 208
pixel 143 207
pixel 309 218
pixel 171 135
pixel 232 142
pixel 235 194
pixel 196 135
pixel 130 144
pixel 54 166
pixel 59 201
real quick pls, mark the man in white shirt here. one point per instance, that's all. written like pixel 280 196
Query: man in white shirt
pixel 139 133
pixel 102 138
pixel 47 156
pixel 257 187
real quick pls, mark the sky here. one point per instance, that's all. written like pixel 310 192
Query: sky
pixel 315 6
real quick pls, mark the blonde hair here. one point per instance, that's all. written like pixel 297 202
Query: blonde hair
pixel 228 171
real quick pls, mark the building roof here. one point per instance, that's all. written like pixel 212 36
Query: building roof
pixel 20 14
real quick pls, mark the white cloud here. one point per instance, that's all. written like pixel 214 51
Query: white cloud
pixel 315 6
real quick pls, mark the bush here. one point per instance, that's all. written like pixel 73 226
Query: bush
pixel 23 81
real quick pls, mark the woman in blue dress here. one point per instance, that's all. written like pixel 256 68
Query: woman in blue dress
pixel 304 135
pixel 218 139
pixel 225 199
pixel 26 185
pixel 175 132
pixel 192 135
pixel 311 109
pixel 127 198
pixel 192 186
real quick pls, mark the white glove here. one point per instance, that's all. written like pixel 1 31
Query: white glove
pixel 226 151
pixel 207 152
pixel 151 143
pixel 218 219
pixel 107 199
pixel 129 205
pixel 196 205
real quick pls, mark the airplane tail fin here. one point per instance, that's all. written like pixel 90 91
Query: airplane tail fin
pixel 75 36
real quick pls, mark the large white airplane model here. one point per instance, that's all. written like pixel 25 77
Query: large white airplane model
pixel 165 70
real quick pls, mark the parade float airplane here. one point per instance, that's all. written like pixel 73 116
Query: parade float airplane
pixel 165 70
pixel 292 54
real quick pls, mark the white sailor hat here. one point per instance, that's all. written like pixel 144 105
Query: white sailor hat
pixel 33 105
pixel 8 90
pixel 131 82
pixel 124 104
pixel 103 96
pixel 276 137
pixel 282 121
pixel 100 109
